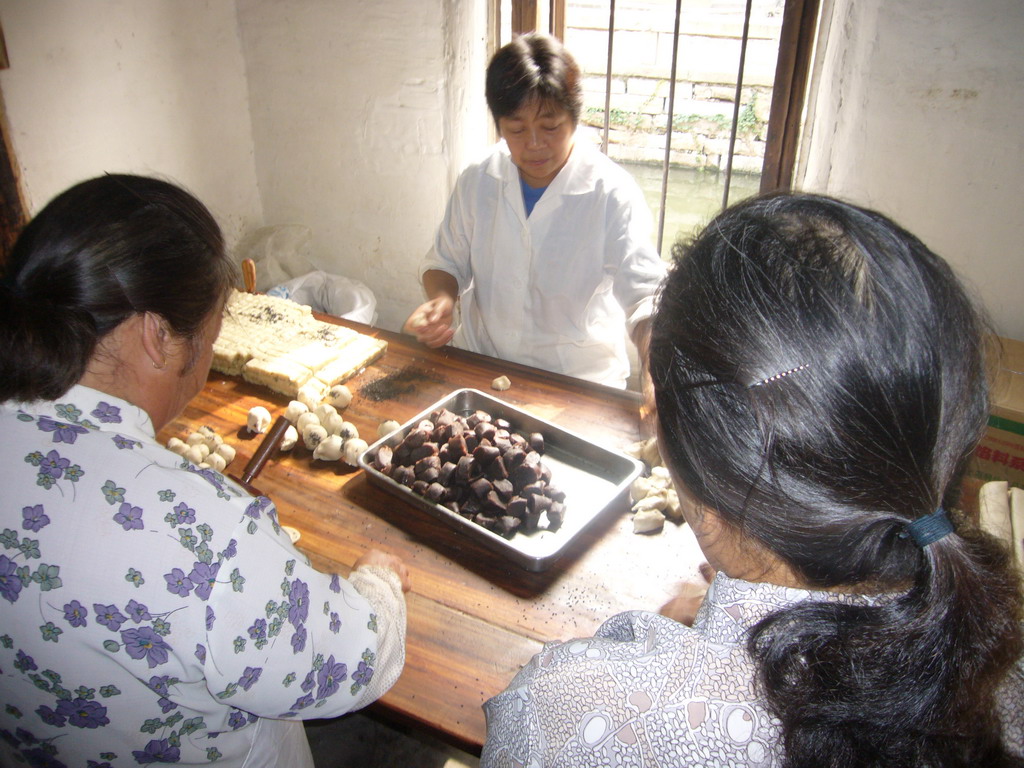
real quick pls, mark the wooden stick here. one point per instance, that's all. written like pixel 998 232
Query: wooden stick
pixel 249 275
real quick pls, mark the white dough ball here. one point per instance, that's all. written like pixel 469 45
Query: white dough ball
pixel 216 462
pixel 352 449
pixel 294 410
pixel 387 427
pixel 195 454
pixel 177 445
pixel 329 449
pixel 305 420
pixel 323 410
pixel 311 393
pixel 339 396
pixel 213 442
pixel 648 521
pixel 313 435
pixel 195 438
pixel 290 438
pixel 333 423
pixel 226 452
pixel 348 431
pixel 259 420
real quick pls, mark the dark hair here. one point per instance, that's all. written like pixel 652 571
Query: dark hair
pixel 884 401
pixel 533 66
pixel 98 253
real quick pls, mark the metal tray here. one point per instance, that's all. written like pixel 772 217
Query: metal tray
pixel 591 476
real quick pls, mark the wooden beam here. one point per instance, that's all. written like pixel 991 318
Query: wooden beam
pixel 789 93
pixel 524 16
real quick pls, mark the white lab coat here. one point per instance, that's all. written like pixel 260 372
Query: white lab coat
pixel 558 290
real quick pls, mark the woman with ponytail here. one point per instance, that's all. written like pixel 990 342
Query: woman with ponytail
pixel 820 384
pixel 151 611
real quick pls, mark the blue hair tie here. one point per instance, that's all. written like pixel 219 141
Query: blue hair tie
pixel 929 528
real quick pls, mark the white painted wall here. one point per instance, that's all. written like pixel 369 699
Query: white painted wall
pixel 361 116
pixel 155 87
pixel 352 118
pixel 921 116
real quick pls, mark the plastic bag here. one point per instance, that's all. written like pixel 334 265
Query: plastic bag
pixel 332 294
pixel 280 252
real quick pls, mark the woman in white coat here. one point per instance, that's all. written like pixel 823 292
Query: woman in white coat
pixel 546 244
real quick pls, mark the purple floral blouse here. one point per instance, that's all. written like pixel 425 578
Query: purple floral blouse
pixel 151 611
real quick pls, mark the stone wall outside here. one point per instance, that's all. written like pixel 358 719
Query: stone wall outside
pixel 710 35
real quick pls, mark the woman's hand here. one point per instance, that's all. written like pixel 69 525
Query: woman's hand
pixel 431 323
pixel 387 560
pixel 684 606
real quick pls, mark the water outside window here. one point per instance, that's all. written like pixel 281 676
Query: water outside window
pixel 708 57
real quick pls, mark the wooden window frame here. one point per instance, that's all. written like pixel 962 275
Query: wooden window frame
pixel 789 92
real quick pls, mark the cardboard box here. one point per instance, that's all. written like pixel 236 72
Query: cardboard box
pixel 1000 454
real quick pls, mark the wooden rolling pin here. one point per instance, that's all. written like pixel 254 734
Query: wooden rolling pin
pixel 263 453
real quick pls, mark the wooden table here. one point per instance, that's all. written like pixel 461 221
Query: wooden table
pixel 473 618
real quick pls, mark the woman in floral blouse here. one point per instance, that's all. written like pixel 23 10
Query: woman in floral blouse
pixel 820 386
pixel 151 611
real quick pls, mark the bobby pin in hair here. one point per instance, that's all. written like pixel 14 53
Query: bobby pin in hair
pixel 778 376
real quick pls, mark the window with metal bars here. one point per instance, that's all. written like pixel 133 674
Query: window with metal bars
pixel 701 100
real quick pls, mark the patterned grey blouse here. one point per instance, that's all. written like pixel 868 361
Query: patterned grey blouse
pixel 648 691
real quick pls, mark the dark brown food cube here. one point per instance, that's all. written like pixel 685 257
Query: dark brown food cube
pixel 493 502
pixel 496 469
pixel 471 505
pixel 507 526
pixel 531 520
pixel 517 507
pixel 436 492
pixel 401 454
pixel 441 434
pixel 537 442
pixel 485 453
pixel 420 487
pixel 504 488
pixel 427 449
pixel 416 438
pixel 553 493
pixel 524 476
pixel 486 521
pixel 485 431
pixel 429 475
pixel 481 487
pixel 514 457
pixel 532 489
pixel 457 446
pixel 404 475
pixel 384 458
pixel 464 469
pixel 447 473
pixel 556 515
pixel 476 417
pixel 427 462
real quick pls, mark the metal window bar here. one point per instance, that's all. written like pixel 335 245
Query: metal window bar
pixel 527 19
pixel 608 77
pixel 671 106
